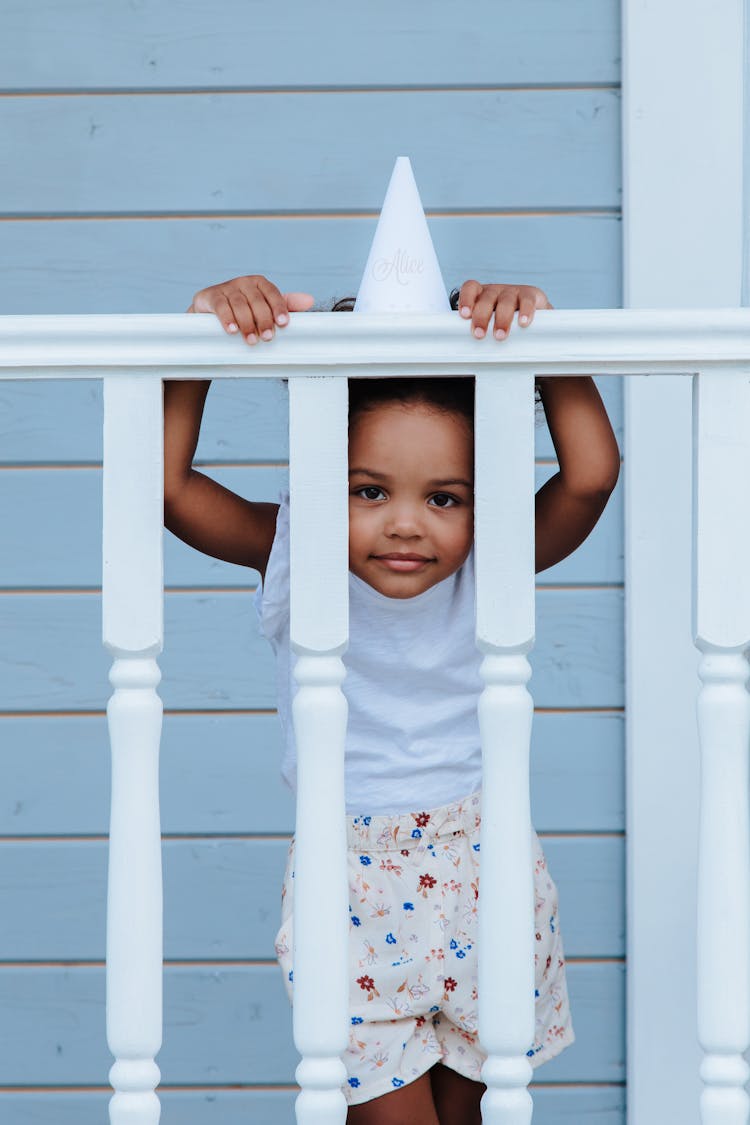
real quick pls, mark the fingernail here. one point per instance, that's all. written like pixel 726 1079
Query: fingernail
pixel 465 310
pixel 479 332
pixel 267 334
pixel 499 333
pixel 232 328
pixel 523 320
pixel 252 338
pixel 282 318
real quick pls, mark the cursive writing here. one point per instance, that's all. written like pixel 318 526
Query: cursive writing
pixel 400 265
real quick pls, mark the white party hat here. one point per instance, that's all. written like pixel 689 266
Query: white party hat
pixel 402 272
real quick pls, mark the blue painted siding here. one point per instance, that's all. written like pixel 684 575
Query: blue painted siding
pixel 174 45
pixel 156 151
pixel 563 144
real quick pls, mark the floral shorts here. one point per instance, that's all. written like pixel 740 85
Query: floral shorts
pixel 413 896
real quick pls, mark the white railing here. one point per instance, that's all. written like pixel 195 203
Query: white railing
pixel 132 354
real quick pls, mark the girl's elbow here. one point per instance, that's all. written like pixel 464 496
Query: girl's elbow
pixel 607 475
pixel 611 478
pixel 597 484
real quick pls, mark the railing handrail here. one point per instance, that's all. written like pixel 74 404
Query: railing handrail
pixel 561 341
pixel 131 354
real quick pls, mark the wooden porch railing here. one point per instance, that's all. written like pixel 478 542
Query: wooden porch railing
pixel 132 354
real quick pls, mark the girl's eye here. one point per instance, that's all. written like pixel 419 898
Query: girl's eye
pixel 370 492
pixel 443 500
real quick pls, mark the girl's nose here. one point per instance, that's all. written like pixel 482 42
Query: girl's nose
pixel 403 520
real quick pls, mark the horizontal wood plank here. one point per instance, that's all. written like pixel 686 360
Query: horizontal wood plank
pixel 222 898
pixel 53 522
pixel 178 44
pixel 232 1024
pixel 244 422
pixel 214 658
pixel 220 774
pixel 323 152
pixel 156 265
pixel 112 157
pixel 553 1105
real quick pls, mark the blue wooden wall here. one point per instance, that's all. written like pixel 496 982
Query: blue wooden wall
pixel 149 148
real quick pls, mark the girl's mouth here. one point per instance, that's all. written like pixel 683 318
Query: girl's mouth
pixel 403 563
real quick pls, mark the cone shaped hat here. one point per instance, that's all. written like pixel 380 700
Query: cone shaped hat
pixel 402 272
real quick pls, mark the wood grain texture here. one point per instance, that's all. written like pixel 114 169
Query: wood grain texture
pixel 220 774
pixel 222 897
pixel 553 1105
pixel 232 1024
pixel 156 265
pixel 476 152
pixel 115 155
pixel 245 422
pixel 168 44
pixel 214 658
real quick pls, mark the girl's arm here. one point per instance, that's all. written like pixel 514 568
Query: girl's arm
pixel 569 505
pixel 197 509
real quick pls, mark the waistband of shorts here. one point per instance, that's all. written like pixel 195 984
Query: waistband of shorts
pixel 397 831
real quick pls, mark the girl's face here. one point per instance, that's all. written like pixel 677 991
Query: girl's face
pixel 411 496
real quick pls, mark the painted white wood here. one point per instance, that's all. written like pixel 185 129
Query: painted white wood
pixel 683 152
pixel 504 522
pixel 682 86
pixel 133 630
pixel 319 531
pixel 589 341
pixel 721 626
pixel 661 805
pixel 676 342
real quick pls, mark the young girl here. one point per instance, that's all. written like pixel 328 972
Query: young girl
pixel 413 757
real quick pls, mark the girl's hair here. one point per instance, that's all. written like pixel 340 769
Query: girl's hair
pixel 346 304
pixel 452 394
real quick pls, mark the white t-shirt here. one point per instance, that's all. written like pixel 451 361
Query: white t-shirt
pixel 412 685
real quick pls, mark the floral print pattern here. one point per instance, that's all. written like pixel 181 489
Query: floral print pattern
pixel 413 927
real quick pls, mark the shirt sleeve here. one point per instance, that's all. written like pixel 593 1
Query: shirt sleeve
pixel 271 599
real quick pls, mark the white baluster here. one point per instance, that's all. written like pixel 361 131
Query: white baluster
pixel 319 629
pixel 721 626
pixel 132 614
pixel 504 499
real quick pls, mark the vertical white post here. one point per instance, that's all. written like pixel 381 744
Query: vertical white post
pixel 682 129
pixel 319 522
pixel 504 505
pixel 132 619
pixel 721 626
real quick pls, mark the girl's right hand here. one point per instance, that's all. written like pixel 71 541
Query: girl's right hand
pixel 250 305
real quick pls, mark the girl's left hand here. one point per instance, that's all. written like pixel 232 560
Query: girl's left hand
pixel 478 302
